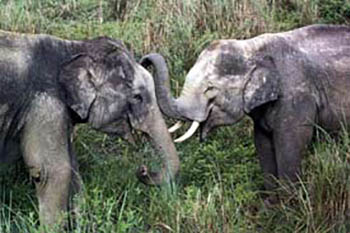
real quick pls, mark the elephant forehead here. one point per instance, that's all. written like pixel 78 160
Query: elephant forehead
pixel 231 59
pixel 143 84
pixel 140 78
pixel 143 78
pixel 204 68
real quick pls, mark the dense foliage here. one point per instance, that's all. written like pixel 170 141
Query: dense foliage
pixel 220 186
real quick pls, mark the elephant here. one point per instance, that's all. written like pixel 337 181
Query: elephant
pixel 289 83
pixel 49 85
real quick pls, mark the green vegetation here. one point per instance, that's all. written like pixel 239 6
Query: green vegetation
pixel 220 186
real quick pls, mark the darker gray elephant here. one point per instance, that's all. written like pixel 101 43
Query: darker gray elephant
pixel 286 82
pixel 48 85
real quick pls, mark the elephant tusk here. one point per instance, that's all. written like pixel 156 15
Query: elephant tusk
pixel 189 132
pixel 175 127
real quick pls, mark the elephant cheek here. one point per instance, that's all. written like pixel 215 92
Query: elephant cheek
pixel 141 116
pixel 104 113
pixel 220 117
pixel 137 122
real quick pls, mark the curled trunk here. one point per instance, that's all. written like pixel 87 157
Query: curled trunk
pixel 166 101
pixel 179 108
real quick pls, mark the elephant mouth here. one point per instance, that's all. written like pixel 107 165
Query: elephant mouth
pixel 121 128
pixel 196 124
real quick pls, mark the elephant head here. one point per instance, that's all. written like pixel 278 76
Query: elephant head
pixel 228 80
pixel 105 87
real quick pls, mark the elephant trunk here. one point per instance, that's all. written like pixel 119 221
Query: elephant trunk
pixel 163 144
pixel 179 108
pixel 167 103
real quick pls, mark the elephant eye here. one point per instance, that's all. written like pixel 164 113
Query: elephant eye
pixel 137 98
pixel 210 92
pixel 210 88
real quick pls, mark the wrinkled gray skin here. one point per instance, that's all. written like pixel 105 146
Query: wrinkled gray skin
pixel 47 85
pixel 286 82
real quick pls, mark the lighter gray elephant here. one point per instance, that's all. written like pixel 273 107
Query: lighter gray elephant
pixel 48 85
pixel 286 82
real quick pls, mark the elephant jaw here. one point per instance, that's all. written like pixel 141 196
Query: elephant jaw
pixel 219 117
pixel 197 120
pixel 215 118
pixel 189 133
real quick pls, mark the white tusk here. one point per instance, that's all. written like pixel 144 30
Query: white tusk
pixel 175 127
pixel 189 132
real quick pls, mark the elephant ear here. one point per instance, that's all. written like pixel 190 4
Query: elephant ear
pixel 77 79
pixel 262 85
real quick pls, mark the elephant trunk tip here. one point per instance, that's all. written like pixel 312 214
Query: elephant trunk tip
pixel 153 178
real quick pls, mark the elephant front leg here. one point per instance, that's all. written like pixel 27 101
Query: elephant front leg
pixel 45 148
pixel 52 184
pixel 266 154
pixel 50 167
pixel 290 145
pixel 292 134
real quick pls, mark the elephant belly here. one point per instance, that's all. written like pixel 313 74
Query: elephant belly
pixel 333 118
pixel 336 105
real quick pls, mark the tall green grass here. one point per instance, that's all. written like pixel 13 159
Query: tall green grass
pixel 219 189
pixel 220 185
pixel 321 200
